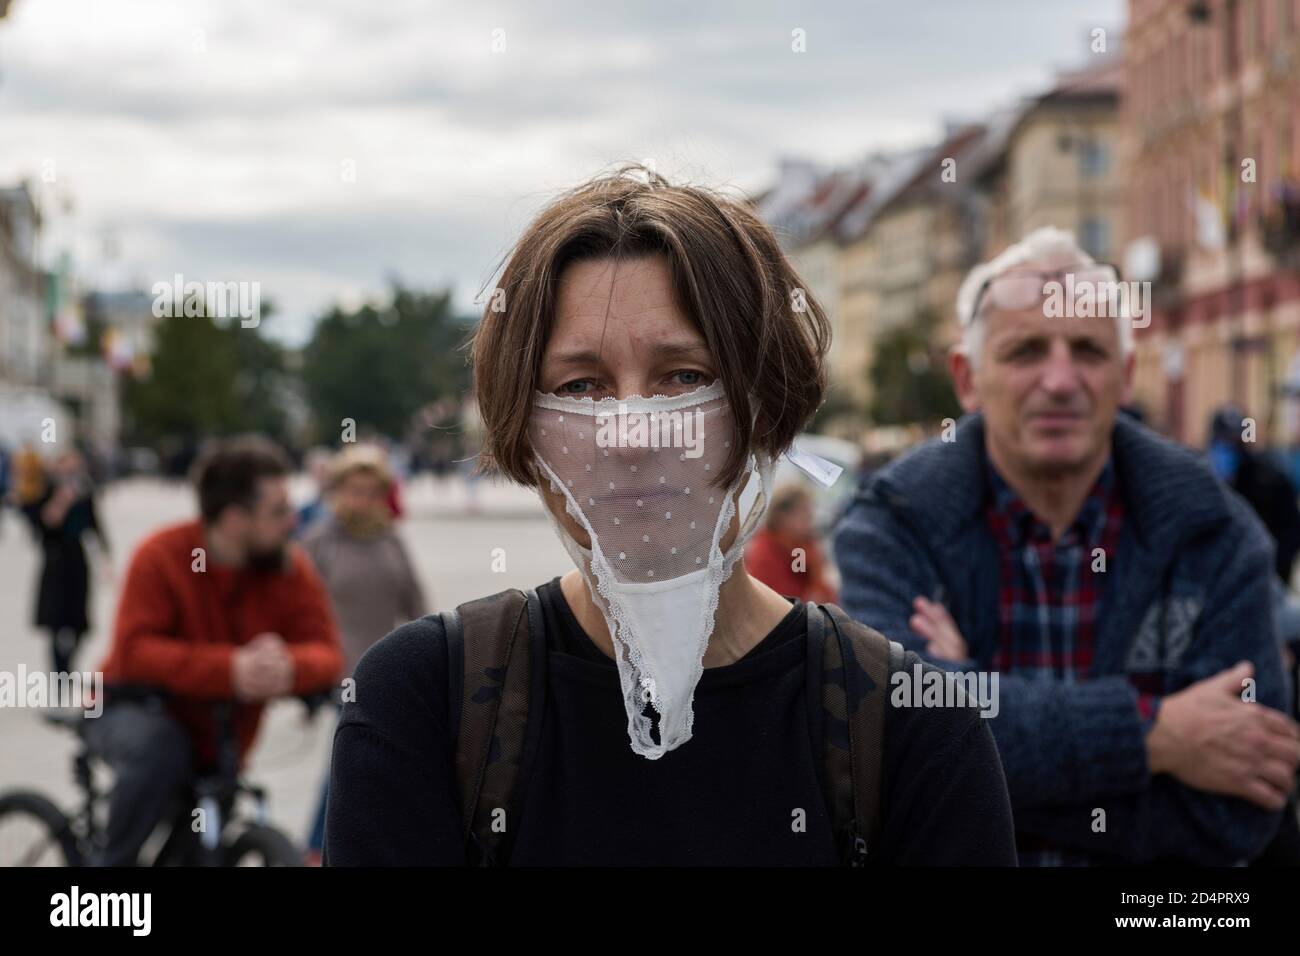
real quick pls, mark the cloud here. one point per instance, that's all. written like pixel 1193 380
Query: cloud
pixel 218 133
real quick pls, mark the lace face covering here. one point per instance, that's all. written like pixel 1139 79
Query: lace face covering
pixel 639 475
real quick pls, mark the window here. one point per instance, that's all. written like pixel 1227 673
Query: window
pixel 1094 236
pixel 1094 158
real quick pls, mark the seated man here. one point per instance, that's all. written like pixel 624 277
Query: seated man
pixel 214 609
pixel 1120 593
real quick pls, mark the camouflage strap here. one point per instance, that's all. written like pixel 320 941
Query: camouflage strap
pixel 494 636
pixel 854 699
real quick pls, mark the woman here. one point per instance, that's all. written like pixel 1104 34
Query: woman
pixel 641 366
pixel 785 554
pixel 61 514
pixel 364 564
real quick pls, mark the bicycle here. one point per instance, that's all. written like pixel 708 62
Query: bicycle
pixel 46 836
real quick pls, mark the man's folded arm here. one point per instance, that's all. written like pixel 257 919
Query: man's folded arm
pixel 1164 818
pixel 882 570
pixel 1058 742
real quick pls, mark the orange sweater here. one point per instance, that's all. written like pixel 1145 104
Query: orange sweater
pixel 177 630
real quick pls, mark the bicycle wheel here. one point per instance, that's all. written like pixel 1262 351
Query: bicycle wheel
pixel 34 832
pixel 260 845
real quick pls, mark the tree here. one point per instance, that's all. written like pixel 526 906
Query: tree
pixel 908 381
pixel 378 366
pixel 261 381
pixel 206 379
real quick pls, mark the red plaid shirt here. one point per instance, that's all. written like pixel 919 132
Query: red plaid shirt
pixel 1051 597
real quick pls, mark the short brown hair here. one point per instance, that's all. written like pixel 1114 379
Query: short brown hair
pixel 228 472
pixel 730 278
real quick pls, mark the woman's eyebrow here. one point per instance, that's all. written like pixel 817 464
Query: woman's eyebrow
pixel 576 357
pixel 663 350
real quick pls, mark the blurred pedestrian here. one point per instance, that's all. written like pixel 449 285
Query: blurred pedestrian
pixel 61 515
pixel 1265 486
pixel 223 608
pixel 785 554
pixel 29 477
pixel 1119 591
pixel 317 465
pixel 362 560
pixel 367 571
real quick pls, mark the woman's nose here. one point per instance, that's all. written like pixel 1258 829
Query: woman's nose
pixel 635 385
pixel 627 438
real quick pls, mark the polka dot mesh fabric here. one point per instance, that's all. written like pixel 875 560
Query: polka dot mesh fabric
pixel 640 476
pixel 655 506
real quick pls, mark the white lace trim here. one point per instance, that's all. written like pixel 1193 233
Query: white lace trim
pixel 605 585
pixel 580 405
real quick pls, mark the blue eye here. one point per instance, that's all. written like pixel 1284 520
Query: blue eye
pixel 578 386
pixel 689 377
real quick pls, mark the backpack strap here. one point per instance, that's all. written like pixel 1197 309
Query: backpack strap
pixel 853 699
pixel 492 648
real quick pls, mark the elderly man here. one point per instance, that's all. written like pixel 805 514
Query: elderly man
pixel 1119 592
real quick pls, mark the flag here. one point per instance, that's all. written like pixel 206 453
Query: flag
pixel 1209 222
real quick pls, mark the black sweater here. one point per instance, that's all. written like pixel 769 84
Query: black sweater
pixel 731 795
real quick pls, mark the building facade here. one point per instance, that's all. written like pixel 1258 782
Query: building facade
pixel 1212 137
pixel 25 345
pixel 885 245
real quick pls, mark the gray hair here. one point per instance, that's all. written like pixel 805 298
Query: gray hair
pixel 1047 248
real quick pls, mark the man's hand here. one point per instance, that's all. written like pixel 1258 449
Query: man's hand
pixel 1211 739
pixel 933 622
pixel 262 669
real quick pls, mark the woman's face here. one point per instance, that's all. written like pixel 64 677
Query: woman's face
pixel 797 522
pixel 68 466
pixel 618 332
pixel 360 493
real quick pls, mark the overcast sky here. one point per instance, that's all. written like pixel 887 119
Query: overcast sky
pixel 211 138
